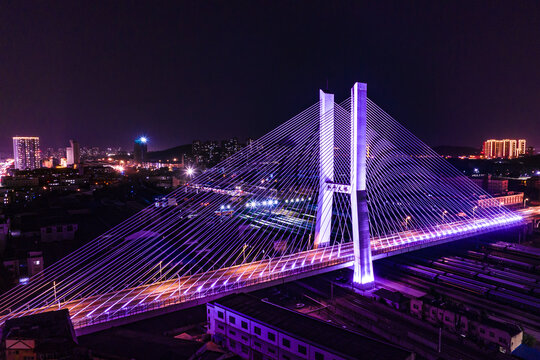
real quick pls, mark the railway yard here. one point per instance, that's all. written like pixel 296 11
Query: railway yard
pixel 486 297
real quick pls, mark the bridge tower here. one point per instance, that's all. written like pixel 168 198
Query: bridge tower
pixel 363 267
pixel 323 224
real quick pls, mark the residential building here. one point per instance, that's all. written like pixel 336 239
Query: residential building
pixel 58 232
pixel 73 153
pixel 506 148
pixel 26 152
pixel 258 330
pixel 439 313
pixel 49 335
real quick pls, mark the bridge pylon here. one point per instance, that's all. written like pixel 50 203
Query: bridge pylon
pixel 323 224
pixel 363 265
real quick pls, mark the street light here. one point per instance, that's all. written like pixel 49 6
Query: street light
pixel 190 171
pixel 407 221
pixel 244 251
pixel 525 202
pixel 444 213
pixel 474 211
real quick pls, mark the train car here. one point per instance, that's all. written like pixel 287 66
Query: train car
pixel 499 246
pixel 464 264
pixel 512 299
pixel 522 279
pixel 463 285
pixel 516 249
pixel 511 262
pixel 436 271
pixel 472 281
pixel 476 255
pixel 454 269
pixel 413 270
pixel 505 283
pixel 519 272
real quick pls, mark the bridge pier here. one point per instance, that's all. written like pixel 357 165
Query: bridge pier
pixel 363 266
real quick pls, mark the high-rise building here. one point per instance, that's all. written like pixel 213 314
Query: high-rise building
pixel 522 147
pixel 73 153
pixel 506 149
pixel 140 150
pixel 26 152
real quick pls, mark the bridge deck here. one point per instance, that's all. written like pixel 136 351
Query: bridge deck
pixel 129 302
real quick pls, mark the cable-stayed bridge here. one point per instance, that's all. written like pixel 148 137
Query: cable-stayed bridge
pixel 340 184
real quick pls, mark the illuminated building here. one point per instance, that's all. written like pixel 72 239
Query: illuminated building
pixel 505 149
pixel 26 152
pixel 140 150
pixel 522 147
pixel 73 153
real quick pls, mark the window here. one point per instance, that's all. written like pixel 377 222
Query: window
pixel 220 315
pixel 271 336
pixel 446 318
pixel 59 228
pixel 232 332
pixel 257 330
pixel 257 344
pixel 244 338
pixel 245 349
pixel 285 357
pixel 302 349
pixel 232 320
pixel 415 306
pixel 244 325
pixel 271 351
pixel 482 331
pixel 319 356
pixel 502 340
pixel 286 342
pixel 70 228
pixel 232 343
pixel 492 334
pixel 220 327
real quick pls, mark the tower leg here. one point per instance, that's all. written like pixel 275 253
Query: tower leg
pixel 363 266
pixel 323 224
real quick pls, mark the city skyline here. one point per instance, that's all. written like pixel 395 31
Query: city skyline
pixel 165 65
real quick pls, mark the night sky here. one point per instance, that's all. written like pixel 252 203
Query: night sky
pixel 454 73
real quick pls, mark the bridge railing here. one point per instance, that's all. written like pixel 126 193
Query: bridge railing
pixel 196 295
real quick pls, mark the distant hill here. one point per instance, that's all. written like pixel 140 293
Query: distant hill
pixel 169 154
pixel 447 150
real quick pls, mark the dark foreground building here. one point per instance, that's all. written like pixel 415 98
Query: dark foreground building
pixel 258 330
pixel 48 335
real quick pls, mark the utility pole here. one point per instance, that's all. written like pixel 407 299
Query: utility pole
pixel 55 298
pixel 179 288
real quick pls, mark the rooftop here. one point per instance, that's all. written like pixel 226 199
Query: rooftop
pixel 346 343
pixel 51 330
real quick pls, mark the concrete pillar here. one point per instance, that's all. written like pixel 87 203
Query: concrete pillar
pixel 323 224
pixel 363 266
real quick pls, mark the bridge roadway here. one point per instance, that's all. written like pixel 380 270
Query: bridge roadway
pixel 199 288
